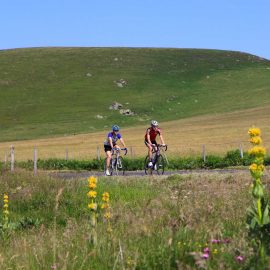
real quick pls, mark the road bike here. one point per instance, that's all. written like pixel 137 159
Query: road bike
pixel 157 160
pixel 117 164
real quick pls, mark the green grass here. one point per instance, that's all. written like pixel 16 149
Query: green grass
pixel 158 223
pixel 46 92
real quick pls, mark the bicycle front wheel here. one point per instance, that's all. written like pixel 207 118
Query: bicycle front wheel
pixel 120 166
pixel 160 165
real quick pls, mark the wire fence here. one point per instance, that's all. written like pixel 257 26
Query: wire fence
pixel 81 152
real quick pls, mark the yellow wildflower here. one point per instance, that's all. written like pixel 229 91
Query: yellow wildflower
pixel 256 140
pixel 5 197
pixel 215 251
pixel 92 185
pixel 5 201
pixel 104 206
pixel 253 167
pixel 261 167
pixel 5 205
pixel 92 179
pixel 105 197
pixel 92 194
pixel 6 212
pixel 257 151
pixel 107 215
pixel 92 206
pixel 254 132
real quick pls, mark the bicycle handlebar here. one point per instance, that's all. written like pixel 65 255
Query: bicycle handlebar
pixel 160 146
pixel 118 150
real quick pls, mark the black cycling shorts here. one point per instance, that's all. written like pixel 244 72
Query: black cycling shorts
pixel 153 142
pixel 107 148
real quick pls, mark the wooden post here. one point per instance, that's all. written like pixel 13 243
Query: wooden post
pixel 241 151
pixel 12 158
pixel 5 159
pixel 35 160
pixel 66 153
pixel 203 153
pixel 131 151
pixel 98 153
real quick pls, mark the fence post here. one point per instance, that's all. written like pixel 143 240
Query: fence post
pixel 35 160
pixel 66 153
pixel 98 153
pixel 241 150
pixel 131 151
pixel 12 159
pixel 5 160
pixel 203 153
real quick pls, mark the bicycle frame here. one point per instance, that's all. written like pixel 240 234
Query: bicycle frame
pixel 157 157
pixel 156 151
pixel 117 164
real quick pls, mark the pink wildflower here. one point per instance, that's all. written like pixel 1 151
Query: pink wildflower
pixel 227 241
pixel 205 256
pixel 239 258
pixel 215 241
pixel 206 250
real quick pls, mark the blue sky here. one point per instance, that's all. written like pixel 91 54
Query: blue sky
pixel 240 25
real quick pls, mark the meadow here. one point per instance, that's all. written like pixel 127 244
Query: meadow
pixel 61 92
pixel 156 223
pixel 219 133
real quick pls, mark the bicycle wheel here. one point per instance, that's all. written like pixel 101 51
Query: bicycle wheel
pixel 120 166
pixel 113 166
pixel 148 170
pixel 160 165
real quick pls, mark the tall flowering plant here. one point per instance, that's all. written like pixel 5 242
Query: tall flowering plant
pixel 106 207
pixel 5 211
pixel 92 205
pixel 258 214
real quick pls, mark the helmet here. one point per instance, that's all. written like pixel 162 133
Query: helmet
pixel 115 128
pixel 154 123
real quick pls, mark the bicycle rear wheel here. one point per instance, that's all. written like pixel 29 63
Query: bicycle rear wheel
pixel 160 165
pixel 148 170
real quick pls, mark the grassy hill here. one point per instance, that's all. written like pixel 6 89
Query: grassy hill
pixel 47 92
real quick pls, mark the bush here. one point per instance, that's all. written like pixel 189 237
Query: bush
pixel 232 158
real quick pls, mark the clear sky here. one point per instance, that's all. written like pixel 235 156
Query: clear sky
pixel 240 25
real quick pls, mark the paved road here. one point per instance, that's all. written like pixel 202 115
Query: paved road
pixel 86 174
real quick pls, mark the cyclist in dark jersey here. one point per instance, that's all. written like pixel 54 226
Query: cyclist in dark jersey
pixel 150 139
pixel 110 142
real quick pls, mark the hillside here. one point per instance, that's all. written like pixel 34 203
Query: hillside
pixel 46 92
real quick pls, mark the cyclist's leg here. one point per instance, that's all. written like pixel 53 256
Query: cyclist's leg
pixel 150 148
pixel 116 146
pixel 108 152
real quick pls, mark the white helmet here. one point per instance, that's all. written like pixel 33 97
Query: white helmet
pixel 154 123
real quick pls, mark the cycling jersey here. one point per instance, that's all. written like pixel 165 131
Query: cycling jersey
pixel 114 137
pixel 153 134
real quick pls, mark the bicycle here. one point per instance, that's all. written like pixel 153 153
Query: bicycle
pixel 116 162
pixel 157 160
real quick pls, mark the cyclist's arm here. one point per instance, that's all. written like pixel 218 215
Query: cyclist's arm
pixel 161 139
pixel 122 142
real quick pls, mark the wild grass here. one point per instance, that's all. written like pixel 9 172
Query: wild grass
pixel 158 223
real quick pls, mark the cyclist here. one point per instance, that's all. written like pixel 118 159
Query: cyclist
pixel 110 143
pixel 150 139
